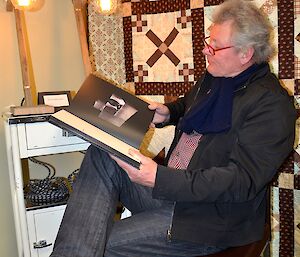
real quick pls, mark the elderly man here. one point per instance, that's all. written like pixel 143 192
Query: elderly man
pixel 233 130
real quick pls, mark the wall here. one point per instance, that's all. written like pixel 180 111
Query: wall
pixel 57 65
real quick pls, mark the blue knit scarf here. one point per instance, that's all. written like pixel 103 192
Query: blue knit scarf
pixel 212 113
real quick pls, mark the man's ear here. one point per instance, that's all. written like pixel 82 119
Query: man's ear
pixel 246 55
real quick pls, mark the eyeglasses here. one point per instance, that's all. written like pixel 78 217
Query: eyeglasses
pixel 212 50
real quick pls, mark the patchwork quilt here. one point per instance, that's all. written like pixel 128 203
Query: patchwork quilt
pixel 153 48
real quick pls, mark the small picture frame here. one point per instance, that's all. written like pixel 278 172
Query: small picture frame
pixel 57 99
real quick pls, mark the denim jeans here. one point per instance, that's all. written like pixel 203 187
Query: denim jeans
pixel 88 228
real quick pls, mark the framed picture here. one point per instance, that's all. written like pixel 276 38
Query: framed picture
pixel 57 99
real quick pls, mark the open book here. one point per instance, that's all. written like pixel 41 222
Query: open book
pixel 107 117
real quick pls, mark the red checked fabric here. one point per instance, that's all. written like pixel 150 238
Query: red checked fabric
pixel 183 152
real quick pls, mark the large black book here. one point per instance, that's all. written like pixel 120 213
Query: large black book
pixel 107 117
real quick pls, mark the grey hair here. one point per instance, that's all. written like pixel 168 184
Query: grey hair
pixel 251 28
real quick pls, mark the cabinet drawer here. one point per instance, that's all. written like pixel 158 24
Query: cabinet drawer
pixel 43 225
pixel 40 138
pixel 39 135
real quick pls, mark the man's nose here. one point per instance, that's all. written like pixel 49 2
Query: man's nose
pixel 206 51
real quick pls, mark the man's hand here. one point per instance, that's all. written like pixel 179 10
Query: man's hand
pixel 145 175
pixel 162 113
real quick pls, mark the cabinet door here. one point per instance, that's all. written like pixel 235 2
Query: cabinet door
pixel 42 138
pixel 45 224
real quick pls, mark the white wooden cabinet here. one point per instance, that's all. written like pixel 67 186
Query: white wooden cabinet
pixel 30 136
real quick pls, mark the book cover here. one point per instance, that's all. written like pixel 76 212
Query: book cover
pixel 107 117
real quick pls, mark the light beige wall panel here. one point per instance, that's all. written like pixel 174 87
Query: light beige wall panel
pixel 57 64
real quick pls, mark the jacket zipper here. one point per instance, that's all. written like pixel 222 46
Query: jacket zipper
pixel 241 88
pixel 169 231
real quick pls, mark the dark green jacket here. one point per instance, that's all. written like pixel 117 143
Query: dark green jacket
pixel 221 196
